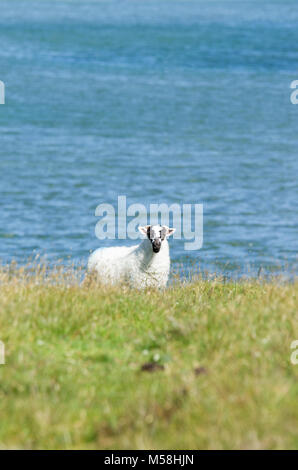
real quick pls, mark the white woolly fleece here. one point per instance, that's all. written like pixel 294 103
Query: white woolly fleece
pixel 137 265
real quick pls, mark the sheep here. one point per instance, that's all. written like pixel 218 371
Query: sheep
pixel 143 265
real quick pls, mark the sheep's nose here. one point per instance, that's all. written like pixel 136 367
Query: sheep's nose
pixel 156 244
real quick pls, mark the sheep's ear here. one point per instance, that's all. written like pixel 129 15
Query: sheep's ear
pixel 144 229
pixel 170 231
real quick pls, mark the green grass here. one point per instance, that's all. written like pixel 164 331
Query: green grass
pixel 73 376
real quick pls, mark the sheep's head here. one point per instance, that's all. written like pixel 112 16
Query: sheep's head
pixel 156 234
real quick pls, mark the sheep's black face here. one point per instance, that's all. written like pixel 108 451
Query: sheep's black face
pixel 156 234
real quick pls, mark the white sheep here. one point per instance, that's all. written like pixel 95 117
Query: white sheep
pixel 143 265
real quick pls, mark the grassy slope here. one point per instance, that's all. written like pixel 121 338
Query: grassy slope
pixel 72 376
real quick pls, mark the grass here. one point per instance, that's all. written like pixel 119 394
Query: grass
pixel 204 365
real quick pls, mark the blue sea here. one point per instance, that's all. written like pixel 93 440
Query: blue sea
pixel 163 101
